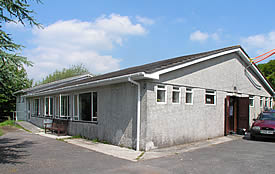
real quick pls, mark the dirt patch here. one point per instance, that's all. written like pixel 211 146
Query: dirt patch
pixel 8 129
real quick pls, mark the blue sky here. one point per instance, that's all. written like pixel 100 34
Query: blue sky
pixel 110 35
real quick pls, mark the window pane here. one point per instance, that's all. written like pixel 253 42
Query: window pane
pixel 209 99
pixel 65 105
pixel 175 97
pixel 188 98
pixel 47 106
pixel 160 95
pixel 51 106
pixel 85 107
pixel 94 106
pixel 75 114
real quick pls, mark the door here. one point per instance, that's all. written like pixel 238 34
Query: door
pixel 230 115
pixel 243 113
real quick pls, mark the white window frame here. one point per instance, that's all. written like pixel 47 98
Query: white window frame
pixel 165 93
pixel 176 90
pixel 213 93
pixel 189 91
pixel 68 106
pixel 76 113
pixel 266 102
pixel 49 107
pixel 34 107
pixel 261 102
pixel 270 102
pixel 252 97
pixel 92 105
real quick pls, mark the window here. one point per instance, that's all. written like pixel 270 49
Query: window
pixel 189 96
pixel 270 102
pixel 161 94
pixel 48 106
pixel 88 106
pixel 36 104
pixel 266 102
pixel 210 97
pixel 57 105
pixel 75 107
pixel 65 103
pixel 261 102
pixel 176 95
pixel 251 101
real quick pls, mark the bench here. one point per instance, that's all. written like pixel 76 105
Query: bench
pixel 56 125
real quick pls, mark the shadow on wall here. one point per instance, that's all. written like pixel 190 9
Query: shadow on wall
pixel 12 152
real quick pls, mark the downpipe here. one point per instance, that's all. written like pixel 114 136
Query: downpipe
pixel 138 111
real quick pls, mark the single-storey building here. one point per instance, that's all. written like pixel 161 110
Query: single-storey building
pixel 160 104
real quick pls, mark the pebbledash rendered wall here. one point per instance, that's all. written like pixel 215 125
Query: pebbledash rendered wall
pixel 170 124
pixel 117 106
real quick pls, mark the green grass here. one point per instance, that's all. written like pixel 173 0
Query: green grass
pixel 1 132
pixel 138 158
pixel 12 123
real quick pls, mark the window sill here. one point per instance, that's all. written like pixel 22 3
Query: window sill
pixel 82 121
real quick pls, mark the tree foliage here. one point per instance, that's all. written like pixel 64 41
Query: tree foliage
pixel 13 76
pixel 268 70
pixel 74 70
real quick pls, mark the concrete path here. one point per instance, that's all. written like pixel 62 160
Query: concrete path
pixel 126 153
pixel 29 126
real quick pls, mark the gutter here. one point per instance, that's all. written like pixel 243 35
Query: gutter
pixel 139 75
pixel 138 111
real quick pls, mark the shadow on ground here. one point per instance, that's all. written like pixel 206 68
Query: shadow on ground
pixel 247 137
pixel 12 151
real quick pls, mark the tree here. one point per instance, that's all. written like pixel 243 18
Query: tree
pixel 13 76
pixel 74 70
pixel 268 70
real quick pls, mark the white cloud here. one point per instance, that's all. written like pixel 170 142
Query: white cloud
pixel 199 36
pixel 260 42
pixel 14 25
pixel 145 20
pixel 203 36
pixel 71 42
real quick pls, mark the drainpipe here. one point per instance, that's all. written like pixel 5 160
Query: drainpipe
pixel 138 110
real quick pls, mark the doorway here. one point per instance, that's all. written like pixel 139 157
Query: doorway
pixel 236 114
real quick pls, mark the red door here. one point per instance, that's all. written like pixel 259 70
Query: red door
pixel 243 113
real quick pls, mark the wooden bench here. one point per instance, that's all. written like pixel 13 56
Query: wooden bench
pixel 56 125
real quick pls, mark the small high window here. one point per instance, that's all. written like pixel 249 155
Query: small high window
pixel 189 96
pixel 251 101
pixel 210 97
pixel 161 94
pixel 176 95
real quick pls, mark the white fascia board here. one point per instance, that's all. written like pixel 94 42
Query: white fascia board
pixel 242 54
pixel 192 62
pixel 58 83
pixel 124 78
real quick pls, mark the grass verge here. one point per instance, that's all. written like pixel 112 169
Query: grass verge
pixel 138 158
pixel 1 132
pixel 12 123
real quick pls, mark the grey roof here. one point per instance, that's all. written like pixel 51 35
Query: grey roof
pixel 148 68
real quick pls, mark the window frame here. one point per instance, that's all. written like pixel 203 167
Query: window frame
pixel 49 107
pixel 36 114
pixel 68 106
pixel 212 93
pixel 178 91
pixel 189 91
pixel 261 102
pixel 75 114
pixel 92 113
pixel 165 93
pixel 252 97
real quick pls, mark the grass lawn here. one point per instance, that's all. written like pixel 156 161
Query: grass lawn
pixel 10 123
